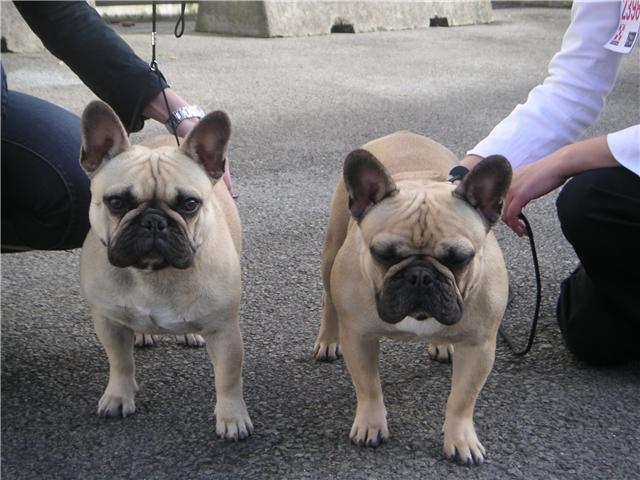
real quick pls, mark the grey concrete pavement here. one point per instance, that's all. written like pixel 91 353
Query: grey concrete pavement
pixel 298 107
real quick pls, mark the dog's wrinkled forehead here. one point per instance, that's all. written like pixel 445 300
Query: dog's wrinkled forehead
pixel 422 219
pixel 147 174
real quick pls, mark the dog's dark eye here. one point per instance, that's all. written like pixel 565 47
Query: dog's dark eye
pixel 190 205
pixel 120 202
pixel 457 259
pixel 384 256
pixel 116 204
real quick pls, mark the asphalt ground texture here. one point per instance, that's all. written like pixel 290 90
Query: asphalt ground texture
pixel 298 106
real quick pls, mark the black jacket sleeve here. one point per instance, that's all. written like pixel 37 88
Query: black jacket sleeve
pixel 76 34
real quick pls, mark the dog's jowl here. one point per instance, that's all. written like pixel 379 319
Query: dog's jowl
pixel 409 255
pixel 163 254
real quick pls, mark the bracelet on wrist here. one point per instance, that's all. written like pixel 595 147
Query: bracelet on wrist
pixel 181 114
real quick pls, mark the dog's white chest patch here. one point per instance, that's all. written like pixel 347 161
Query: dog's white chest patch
pixel 421 328
pixel 156 319
pixel 161 320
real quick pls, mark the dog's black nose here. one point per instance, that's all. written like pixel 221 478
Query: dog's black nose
pixel 418 276
pixel 154 222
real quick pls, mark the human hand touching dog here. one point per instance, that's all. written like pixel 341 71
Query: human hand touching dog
pixel 536 179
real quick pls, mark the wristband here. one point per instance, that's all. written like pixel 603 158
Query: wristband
pixel 183 113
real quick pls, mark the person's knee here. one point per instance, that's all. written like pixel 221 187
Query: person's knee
pixel 45 192
pixel 44 207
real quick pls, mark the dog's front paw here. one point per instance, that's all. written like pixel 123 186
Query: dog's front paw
pixel 442 353
pixel 369 430
pixel 461 442
pixel 232 420
pixel 118 399
pixel 326 350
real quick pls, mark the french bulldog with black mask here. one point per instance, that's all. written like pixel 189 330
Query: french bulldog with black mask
pixel 409 255
pixel 163 254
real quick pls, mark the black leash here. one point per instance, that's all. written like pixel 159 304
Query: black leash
pixel 153 65
pixel 457 173
pixel 534 322
pixel 180 22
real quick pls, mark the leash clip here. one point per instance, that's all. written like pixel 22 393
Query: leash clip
pixel 457 173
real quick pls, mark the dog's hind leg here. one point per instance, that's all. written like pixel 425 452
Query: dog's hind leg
pixel 327 344
pixel 442 352
pixel 191 340
pixel 143 340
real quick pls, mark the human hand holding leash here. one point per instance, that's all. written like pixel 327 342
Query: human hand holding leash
pixel 539 178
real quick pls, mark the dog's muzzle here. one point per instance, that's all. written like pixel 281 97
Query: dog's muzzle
pixel 421 291
pixel 152 241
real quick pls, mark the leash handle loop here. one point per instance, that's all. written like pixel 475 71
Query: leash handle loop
pixel 178 31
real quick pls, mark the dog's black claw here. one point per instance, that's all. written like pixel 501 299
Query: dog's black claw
pixel 110 413
pixel 358 442
pixel 454 456
pixel 375 441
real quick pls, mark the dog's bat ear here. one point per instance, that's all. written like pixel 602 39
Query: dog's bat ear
pixel 486 186
pixel 103 136
pixel 367 182
pixel 207 143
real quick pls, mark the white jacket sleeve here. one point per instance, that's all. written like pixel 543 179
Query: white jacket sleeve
pixel 625 147
pixel 570 99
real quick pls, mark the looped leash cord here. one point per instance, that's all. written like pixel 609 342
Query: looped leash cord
pixel 180 22
pixel 153 67
pixel 534 322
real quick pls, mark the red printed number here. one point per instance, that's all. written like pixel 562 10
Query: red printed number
pixel 618 36
pixel 631 10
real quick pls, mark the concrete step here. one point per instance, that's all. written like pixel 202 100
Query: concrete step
pixel 301 18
